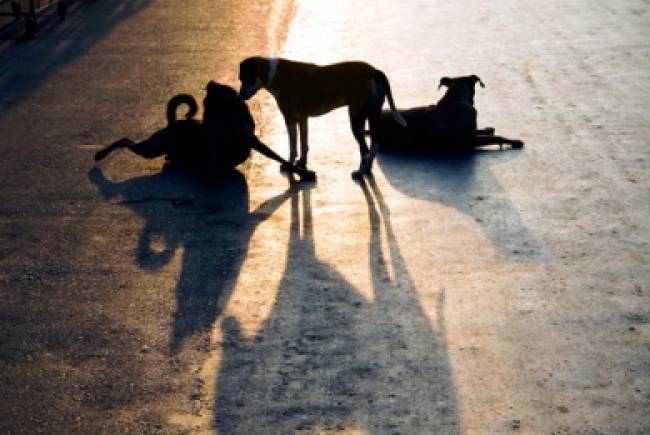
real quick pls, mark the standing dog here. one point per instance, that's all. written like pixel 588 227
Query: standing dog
pixel 304 89
pixel 222 141
pixel 449 125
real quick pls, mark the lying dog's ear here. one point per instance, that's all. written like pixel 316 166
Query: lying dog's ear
pixel 445 81
pixel 477 79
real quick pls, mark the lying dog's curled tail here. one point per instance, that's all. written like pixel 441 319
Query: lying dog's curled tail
pixel 382 81
pixel 178 100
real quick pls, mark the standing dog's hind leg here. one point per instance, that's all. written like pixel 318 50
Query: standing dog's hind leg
pixel 373 126
pixel 357 123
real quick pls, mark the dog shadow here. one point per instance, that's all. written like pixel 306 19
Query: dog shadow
pixel 466 182
pixel 212 224
pixel 327 359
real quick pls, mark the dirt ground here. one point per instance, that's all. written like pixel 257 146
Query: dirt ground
pixel 501 292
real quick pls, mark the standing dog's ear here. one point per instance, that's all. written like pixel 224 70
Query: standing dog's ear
pixel 477 79
pixel 445 81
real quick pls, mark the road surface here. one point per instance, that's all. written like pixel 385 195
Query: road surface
pixel 506 291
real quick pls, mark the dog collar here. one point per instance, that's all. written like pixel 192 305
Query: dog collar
pixel 273 69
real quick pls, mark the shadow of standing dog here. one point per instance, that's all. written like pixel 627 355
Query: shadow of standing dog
pixel 327 359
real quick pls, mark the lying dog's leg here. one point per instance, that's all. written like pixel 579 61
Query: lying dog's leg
pixel 155 146
pixel 304 147
pixel 487 131
pixel 151 148
pixel 304 174
pixel 292 132
pixel 480 141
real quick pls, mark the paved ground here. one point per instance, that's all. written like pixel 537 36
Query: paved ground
pixel 501 292
pixel 90 260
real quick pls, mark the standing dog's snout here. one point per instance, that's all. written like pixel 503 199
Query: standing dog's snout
pixel 247 91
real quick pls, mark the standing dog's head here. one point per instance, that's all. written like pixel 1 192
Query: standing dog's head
pixel 461 88
pixel 253 74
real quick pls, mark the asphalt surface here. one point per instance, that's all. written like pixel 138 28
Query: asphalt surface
pixel 91 258
pixel 505 291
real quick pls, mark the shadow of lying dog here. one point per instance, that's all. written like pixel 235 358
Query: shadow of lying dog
pixel 466 182
pixel 210 222
pixel 440 156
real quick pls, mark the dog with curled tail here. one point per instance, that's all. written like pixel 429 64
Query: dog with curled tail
pixel 221 141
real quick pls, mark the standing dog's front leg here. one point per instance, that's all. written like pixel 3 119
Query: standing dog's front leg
pixel 304 146
pixel 291 130
pixel 293 148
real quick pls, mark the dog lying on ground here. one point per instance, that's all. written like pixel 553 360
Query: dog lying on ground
pixel 222 141
pixel 447 126
pixel 304 89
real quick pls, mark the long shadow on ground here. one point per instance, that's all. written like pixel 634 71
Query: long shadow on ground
pixel 27 64
pixel 466 182
pixel 213 225
pixel 327 359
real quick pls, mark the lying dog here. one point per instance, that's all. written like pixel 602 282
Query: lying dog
pixel 222 141
pixel 449 125
pixel 304 89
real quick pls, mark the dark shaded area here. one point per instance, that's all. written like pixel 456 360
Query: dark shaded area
pixel 86 333
pixel 31 62
pixel 326 359
pixel 60 379
pixel 466 182
pixel 211 222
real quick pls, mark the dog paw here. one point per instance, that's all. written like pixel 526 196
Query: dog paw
pixel 286 167
pixel 517 144
pixel 357 175
pixel 307 175
pixel 101 154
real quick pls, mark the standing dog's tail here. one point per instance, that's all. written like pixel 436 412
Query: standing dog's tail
pixel 382 80
pixel 178 100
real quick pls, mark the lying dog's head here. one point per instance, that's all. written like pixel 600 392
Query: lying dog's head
pixel 469 81
pixel 219 99
pixel 253 74
pixel 461 88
